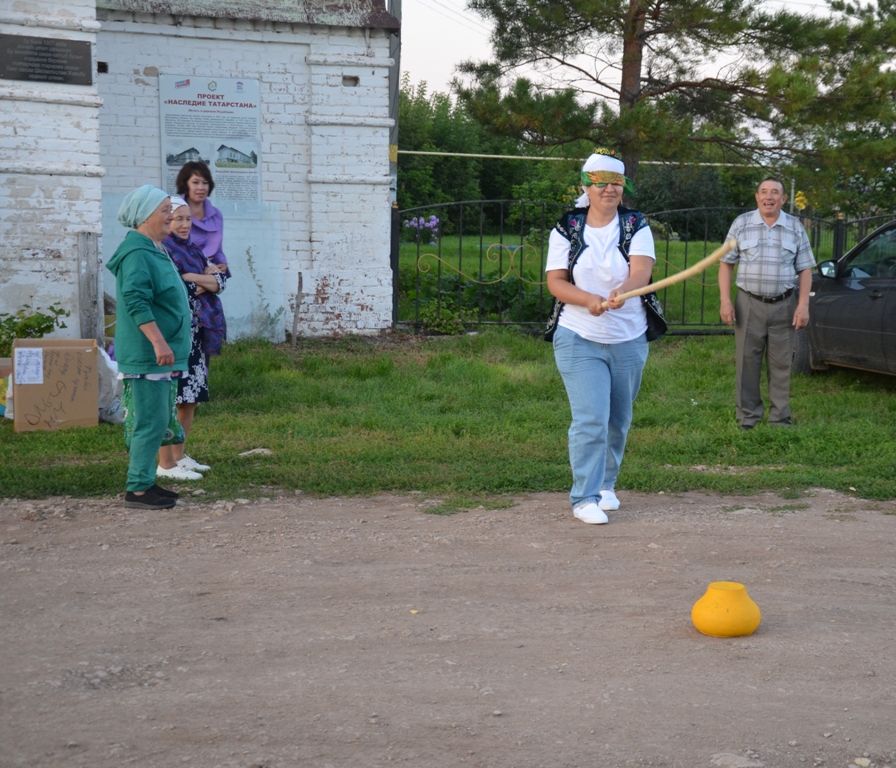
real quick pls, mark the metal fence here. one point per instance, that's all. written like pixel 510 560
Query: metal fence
pixel 475 263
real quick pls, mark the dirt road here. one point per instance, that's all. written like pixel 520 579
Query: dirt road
pixel 366 632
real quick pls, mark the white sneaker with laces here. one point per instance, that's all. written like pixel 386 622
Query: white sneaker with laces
pixel 590 513
pixel 189 463
pixel 177 473
pixel 609 501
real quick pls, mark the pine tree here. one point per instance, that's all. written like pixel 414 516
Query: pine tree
pixel 685 80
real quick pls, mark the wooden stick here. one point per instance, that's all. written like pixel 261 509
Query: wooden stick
pixel 701 266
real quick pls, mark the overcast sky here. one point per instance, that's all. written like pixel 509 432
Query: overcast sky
pixel 438 34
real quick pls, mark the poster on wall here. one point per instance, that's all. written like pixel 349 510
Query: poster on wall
pixel 216 120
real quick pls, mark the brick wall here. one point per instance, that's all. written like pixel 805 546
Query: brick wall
pixel 325 220
pixel 50 172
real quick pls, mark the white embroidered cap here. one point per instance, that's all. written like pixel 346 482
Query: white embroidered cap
pixel 604 168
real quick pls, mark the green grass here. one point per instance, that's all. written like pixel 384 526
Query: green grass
pixel 474 419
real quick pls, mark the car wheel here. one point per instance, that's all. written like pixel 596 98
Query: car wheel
pixel 802 361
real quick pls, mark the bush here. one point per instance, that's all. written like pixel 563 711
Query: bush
pixel 27 324
pixel 445 318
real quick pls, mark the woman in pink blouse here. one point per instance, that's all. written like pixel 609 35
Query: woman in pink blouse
pixel 194 183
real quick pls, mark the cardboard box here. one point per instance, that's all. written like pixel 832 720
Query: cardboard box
pixel 55 384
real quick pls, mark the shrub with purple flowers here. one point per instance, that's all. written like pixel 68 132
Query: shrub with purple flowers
pixel 423 230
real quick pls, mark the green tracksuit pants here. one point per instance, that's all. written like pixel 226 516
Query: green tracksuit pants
pixel 150 422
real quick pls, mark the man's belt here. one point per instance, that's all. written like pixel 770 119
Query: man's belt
pixel 770 299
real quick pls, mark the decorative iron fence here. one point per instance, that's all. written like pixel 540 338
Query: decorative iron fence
pixel 474 263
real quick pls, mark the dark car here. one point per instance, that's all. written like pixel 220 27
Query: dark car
pixel 852 309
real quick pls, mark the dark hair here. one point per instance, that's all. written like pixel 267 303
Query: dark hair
pixel 770 177
pixel 193 168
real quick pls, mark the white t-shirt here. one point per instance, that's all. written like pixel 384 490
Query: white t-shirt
pixel 601 267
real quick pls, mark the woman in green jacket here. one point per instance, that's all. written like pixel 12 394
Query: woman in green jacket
pixel 152 340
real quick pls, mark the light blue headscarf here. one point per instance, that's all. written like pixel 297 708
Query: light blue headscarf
pixel 139 205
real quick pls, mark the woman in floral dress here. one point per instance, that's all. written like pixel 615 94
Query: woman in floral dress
pixel 204 281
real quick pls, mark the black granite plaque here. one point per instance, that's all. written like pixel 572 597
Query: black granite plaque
pixel 45 59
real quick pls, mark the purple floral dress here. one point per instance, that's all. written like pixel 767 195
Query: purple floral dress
pixel 209 328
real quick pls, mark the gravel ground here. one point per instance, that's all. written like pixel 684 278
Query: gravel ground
pixel 322 632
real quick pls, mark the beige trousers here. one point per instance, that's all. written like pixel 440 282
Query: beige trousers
pixel 763 331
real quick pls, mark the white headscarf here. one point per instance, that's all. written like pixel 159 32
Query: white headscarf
pixel 606 168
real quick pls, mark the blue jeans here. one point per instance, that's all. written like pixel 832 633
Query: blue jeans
pixel 602 382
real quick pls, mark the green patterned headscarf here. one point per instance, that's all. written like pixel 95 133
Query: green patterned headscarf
pixel 139 205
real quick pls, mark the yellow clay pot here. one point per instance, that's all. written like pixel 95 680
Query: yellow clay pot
pixel 726 610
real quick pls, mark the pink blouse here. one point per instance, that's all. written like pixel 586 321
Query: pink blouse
pixel 208 234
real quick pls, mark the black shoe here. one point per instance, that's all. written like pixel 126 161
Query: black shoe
pixel 745 427
pixel 164 492
pixel 148 500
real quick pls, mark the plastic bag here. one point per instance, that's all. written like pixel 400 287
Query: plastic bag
pixel 111 388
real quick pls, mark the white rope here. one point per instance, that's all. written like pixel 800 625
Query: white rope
pixel 564 159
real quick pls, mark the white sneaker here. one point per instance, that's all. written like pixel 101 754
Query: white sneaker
pixel 187 462
pixel 608 501
pixel 177 473
pixel 590 513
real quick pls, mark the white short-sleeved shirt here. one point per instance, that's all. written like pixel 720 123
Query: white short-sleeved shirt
pixel 601 267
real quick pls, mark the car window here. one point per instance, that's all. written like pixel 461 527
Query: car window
pixel 877 258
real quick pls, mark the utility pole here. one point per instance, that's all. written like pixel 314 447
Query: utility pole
pixel 394 89
pixel 394 86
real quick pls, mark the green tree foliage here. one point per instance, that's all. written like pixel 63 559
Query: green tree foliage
pixel 433 123
pixel 689 80
pixel 678 188
pixel 851 128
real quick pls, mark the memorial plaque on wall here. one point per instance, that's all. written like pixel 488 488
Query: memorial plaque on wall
pixel 45 59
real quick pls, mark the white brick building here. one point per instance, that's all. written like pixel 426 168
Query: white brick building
pixel 323 220
pixel 50 170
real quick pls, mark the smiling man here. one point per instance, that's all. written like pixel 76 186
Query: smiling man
pixel 774 275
